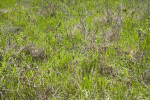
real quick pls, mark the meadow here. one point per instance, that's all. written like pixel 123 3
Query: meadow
pixel 74 49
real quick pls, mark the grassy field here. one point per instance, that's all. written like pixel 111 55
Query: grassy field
pixel 74 49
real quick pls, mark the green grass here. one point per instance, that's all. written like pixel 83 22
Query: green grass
pixel 74 49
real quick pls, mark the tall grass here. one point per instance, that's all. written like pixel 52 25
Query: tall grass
pixel 74 49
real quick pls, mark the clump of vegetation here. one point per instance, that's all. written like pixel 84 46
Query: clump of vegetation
pixel 73 49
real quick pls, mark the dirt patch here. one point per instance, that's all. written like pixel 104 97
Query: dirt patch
pixel 34 51
pixel 107 70
pixel 29 49
pixel 146 76
pixel 5 11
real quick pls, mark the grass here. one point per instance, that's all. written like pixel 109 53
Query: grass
pixel 74 49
